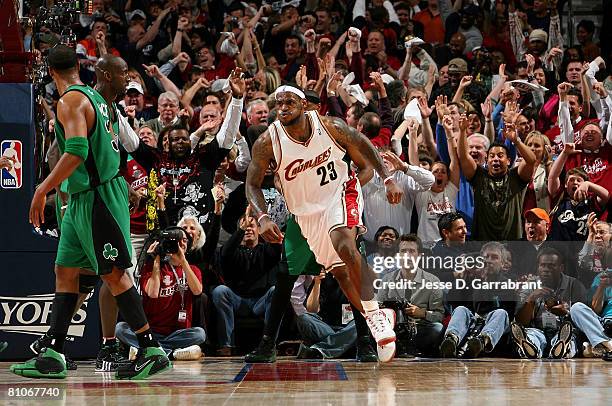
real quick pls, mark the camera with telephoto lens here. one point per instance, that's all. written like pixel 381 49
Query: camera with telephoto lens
pixel 169 241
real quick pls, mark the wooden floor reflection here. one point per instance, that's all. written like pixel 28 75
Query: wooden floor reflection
pixel 289 382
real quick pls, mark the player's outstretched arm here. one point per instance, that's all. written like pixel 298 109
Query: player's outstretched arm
pixel 74 112
pixel 363 153
pixel 262 155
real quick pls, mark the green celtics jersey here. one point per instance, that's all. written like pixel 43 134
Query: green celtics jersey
pixel 102 163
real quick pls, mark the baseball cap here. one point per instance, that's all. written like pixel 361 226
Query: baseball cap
pixel 538 35
pixel 457 65
pixel 134 86
pixel 539 213
pixel 137 13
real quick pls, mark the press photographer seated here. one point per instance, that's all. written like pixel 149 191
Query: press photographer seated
pixel 168 284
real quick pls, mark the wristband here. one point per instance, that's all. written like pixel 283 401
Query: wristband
pixel 387 179
pixel 78 146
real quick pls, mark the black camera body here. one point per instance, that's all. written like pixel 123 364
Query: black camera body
pixel 169 241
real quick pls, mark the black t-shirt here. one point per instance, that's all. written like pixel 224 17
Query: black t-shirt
pixel 188 181
pixel 497 205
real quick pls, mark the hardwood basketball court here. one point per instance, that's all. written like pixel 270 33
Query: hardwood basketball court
pixel 428 382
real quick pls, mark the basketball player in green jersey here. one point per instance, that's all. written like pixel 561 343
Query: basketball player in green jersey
pixel 95 228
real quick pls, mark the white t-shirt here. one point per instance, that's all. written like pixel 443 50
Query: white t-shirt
pixel 430 207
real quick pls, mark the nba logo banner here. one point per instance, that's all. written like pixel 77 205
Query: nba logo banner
pixel 11 178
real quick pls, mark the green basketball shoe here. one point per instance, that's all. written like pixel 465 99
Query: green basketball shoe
pixel 148 362
pixel 48 364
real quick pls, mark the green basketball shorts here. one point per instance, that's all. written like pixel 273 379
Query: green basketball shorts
pixel 300 259
pixel 96 229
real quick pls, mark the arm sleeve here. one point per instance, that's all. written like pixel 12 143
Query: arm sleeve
pixel 227 133
pixel 384 110
pixel 127 136
pixel 442 144
pixel 496 115
pixel 167 68
pixel 244 155
pixel 435 313
pixel 359 9
pixel 357 68
pixel 422 177
pixel 393 18
pixel 565 123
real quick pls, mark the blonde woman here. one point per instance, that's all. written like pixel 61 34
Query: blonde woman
pixel 536 194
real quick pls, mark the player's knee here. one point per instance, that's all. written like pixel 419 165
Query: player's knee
pixel 114 278
pixel 349 254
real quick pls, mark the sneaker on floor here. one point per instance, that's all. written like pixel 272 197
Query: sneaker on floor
pixel 148 362
pixel 475 346
pixel 607 356
pixel 48 364
pixel 45 341
pixel 191 353
pixel 386 352
pixel 224 352
pixel 109 358
pixel 365 352
pixel 526 348
pixel 381 323
pixel 562 347
pixel 41 343
pixel 265 352
pixel 448 347
pixel 306 352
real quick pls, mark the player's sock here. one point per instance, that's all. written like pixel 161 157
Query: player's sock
pixel 145 339
pixel 130 306
pixel 109 341
pixel 369 305
pixel 63 308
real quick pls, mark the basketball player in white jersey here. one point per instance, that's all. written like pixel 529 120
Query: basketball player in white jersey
pixel 308 154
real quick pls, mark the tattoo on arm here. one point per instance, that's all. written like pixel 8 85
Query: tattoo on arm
pixel 262 155
pixel 357 145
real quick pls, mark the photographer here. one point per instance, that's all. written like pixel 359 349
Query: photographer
pixel 485 320
pixel 542 316
pixel 420 309
pixel 168 284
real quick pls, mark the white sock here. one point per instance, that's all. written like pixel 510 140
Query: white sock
pixel 369 305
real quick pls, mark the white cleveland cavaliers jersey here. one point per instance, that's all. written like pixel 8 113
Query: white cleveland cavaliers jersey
pixel 312 174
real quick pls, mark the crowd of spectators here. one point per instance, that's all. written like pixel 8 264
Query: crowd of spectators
pixel 498 132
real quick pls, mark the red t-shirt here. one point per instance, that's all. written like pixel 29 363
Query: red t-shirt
pixel 136 176
pixel 598 165
pixel 163 312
